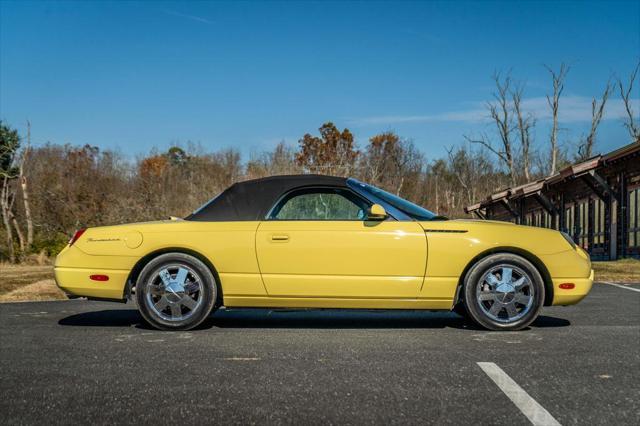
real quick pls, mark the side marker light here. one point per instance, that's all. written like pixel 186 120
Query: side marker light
pixel 99 277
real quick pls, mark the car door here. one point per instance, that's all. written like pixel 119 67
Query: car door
pixel 317 243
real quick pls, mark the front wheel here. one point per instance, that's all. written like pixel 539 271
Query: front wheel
pixel 175 291
pixel 503 292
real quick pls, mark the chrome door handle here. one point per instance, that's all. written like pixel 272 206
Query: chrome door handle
pixel 280 237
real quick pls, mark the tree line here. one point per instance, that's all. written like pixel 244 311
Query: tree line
pixel 48 191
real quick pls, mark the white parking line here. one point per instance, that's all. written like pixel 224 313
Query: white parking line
pixel 529 406
pixel 622 286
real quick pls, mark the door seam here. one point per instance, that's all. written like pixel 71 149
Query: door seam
pixel 255 250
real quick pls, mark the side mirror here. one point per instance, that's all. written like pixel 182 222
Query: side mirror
pixel 377 212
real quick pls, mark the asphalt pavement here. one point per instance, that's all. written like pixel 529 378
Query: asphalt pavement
pixel 93 362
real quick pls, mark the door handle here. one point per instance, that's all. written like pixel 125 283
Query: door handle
pixel 280 237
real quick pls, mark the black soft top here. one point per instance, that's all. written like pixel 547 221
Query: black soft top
pixel 252 199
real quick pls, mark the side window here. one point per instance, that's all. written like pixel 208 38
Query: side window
pixel 320 204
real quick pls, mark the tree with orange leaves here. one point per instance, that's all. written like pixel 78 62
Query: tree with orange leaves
pixel 333 153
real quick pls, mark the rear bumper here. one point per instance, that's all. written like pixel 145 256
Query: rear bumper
pixel 571 296
pixel 76 282
pixel 73 269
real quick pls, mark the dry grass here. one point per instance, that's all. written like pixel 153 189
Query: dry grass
pixel 28 282
pixel 621 271
pixel 40 290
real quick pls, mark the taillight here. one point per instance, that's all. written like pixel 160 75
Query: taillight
pixel 77 235
pixel 567 286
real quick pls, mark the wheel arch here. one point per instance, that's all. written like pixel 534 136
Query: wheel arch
pixel 540 266
pixel 140 264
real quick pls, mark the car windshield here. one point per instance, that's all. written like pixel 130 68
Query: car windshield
pixel 407 207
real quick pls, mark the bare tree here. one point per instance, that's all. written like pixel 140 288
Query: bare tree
pixel 9 145
pixel 280 161
pixel 25 188
pixel 5 206
pixel 463 170
pixel 554 103
pixel 585 150
pixel 525 123
pixel 500 113
pixel 14 221
pixel 389 160
pixel 630 121
pixel 7 199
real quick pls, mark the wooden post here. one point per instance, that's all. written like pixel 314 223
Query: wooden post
pixel 561 219
pixel 622 216
pixel 613 228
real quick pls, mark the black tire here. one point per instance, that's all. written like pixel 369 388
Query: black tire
pixel 506 308
pixel 461 310
pixel 151 288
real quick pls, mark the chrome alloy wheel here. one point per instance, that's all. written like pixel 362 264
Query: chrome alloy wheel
pixel 174 292
pixel 505 293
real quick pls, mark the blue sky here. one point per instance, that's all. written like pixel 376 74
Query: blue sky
pixel 133 75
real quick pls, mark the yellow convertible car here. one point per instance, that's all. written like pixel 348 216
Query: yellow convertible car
pixel 311 241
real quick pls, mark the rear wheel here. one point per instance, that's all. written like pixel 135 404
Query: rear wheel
pixel 503 292
pixel 175 291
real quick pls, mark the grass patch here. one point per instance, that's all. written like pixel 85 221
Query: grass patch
pixel 28 282
pixel 621 271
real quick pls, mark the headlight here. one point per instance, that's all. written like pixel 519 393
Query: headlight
pixel 569 240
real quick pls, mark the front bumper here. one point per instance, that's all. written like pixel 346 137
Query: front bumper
pixel 581 288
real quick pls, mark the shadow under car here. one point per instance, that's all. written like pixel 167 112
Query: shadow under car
pixel 301 318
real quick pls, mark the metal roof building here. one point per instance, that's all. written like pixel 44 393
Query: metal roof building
pixel 596 201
